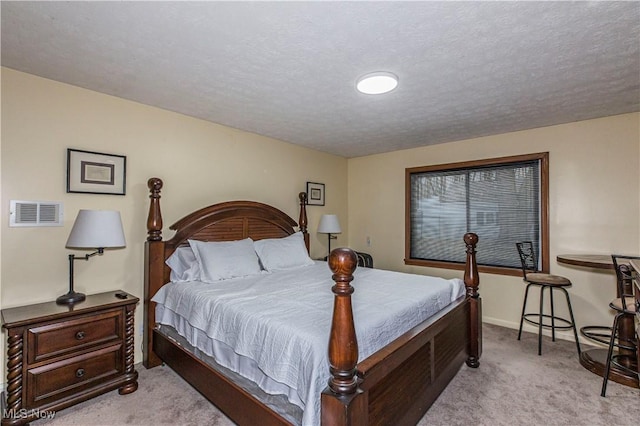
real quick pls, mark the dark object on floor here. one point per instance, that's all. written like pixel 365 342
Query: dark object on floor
pixel 364 259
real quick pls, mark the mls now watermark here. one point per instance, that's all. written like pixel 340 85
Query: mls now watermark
pixel 23 413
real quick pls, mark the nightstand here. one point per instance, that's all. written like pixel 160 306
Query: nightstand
pixel 60 355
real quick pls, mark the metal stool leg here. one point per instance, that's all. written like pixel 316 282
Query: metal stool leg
pixel 573 321
pixel 540 322
pixel 524 306
pixel 553 316
pixel 609 355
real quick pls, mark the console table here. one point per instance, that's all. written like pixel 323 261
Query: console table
pixel 595 360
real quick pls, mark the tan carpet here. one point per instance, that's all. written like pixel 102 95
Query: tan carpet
pixel 513 386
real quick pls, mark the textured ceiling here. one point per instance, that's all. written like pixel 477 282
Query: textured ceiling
pixel 288 69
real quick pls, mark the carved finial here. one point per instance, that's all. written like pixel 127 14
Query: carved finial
pixel 155 185
pixel 343 262
pixel 471 240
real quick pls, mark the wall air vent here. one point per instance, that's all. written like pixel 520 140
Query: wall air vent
pixel 35 213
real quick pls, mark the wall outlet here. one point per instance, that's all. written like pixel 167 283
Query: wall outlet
pixel 368 241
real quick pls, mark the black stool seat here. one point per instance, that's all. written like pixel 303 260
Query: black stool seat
pixel 533 277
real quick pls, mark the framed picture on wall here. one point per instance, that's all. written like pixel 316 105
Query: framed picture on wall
pixel 96 173
pixel 315 194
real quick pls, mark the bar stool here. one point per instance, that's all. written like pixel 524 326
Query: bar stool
pixel 533 277
pixel 625 306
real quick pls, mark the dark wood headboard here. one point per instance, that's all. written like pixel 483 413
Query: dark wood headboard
pixel 227 221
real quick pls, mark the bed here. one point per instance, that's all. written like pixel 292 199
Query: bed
pixel 393 384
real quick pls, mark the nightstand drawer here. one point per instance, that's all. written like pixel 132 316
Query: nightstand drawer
pixel 62 337
pixel 60 379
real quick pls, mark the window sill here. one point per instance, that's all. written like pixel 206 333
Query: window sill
pixel 460 266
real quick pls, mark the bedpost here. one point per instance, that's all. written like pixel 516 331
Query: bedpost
pixel 343 402
pixel 471 282
pixel 154 219
pixel 153 270
pixel 302 222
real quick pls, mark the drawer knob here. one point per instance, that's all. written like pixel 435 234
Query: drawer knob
pixel 80 335
pixel 80 372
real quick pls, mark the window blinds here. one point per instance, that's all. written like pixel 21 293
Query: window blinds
pixel 500 203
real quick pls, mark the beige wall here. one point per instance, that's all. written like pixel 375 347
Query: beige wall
pixel 594 206
pixel 201 163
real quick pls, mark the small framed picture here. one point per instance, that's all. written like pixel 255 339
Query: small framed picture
pixel 96 173
pixel 315 194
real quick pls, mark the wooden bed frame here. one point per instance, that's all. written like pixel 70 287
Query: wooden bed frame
pixel 395 385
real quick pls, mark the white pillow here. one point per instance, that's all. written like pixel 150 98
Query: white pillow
pixel 225 259
pixel 283 253
pixel 184 265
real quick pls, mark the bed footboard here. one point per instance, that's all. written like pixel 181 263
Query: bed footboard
pixel 397 384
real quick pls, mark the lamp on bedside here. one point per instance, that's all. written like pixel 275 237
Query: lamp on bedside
pixel 93 229
pixel 329 225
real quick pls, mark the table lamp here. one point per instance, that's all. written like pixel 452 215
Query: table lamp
pixel 329 225
pixel 92 229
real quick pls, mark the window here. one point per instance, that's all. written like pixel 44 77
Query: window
pixel 503 200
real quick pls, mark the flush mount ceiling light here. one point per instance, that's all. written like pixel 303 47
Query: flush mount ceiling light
pixel 377 83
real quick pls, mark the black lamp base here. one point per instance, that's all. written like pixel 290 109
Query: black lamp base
pixel 70 298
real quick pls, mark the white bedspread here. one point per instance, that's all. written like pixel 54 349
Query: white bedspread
pixel 282 320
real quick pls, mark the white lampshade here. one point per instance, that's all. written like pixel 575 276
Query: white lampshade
pixel 329 224
pixel 96 229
